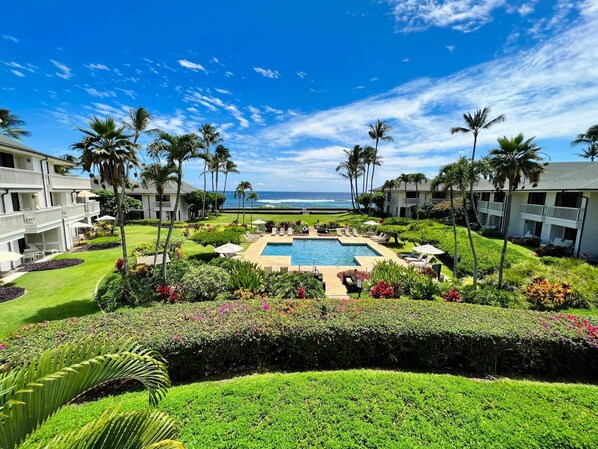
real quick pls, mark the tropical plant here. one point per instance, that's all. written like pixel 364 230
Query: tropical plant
pixel 253 197
pixel 107 150
pixel 516 160
pixel 405 179
pixel 219 160
pixel 246 276
pixel 204 283
pixel 589 138
pixel 11 125
pixel 378 131
pixel 228 167
pixel 158 176
pixel 32 394
pixel 208 136
pixel 378 199
pixel 66 169
pixel 176 150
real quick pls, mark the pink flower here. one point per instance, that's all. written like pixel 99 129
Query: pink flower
pixel 265 305
pixel 2 346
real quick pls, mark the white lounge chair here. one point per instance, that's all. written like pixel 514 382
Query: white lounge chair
pixel 380 238
pixel 422 263
pixel 338 232
pixel 290 231
pixel 281 232
pixel 34 250
pixel 273 231
pixel 355 233
pixel 418 258
pixel 347 232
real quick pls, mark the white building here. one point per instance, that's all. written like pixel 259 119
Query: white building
pixel 400 200
pixel 37 205
pixel 150 199
pixel 562 206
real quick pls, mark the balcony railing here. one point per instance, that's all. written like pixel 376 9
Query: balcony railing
pixel 414 202
pixel 11 223
pixel 73 211
pixel 532 209
pixel 92 208
pixel 165 204
pixel 492 205
pixel 563 213
pixel 483 205
pixel 12 177
pixel 66 182
pixel 38 218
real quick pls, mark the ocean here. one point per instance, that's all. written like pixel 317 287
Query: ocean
pixel 329 200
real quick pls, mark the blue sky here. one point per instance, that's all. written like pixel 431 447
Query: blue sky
pixel 290 84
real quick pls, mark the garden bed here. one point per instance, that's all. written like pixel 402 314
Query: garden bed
pixel 238 336
pixel 10 293
pixel 51 265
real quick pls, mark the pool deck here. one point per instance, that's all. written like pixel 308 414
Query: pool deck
pixel 334 286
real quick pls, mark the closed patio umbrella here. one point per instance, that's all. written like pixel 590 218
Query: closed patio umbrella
pixel 428 249
pixel 9 256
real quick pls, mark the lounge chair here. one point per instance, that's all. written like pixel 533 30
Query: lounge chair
pixel 338 232
pixel 281 233
pixel 422 263
pixel 284 269
pixel 290 231
pixel 273 231
pixel 380 238
pixel 355 233
pixel 34 250
pixel 416 258
pixel 268 269
pixel 347 232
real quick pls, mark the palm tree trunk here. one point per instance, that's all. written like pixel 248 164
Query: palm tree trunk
pixel 505 242
pixel 243 207
pixel 120 216
pixel 225 178
pixel 205 186
pixel 374 165
pixel 251 214
pixel 173 217
pixel 416 205
pixel 472 246
pixel 352 193
pixel 455 256
pixel 238 209
pixel 216 192
pixel 474 207
pixel 159 228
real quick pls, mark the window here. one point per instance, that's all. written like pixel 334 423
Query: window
pixel 439 195
pixel 485 196
pixel 412 194
pixel 7 160
pixel 499 197
pixel 536 198
pixel 165 198
pixel 136 197
pixel 568 199
pixel 570 234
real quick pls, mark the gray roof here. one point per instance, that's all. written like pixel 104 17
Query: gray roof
pixel 16 145
pixel 169 189
pixel 560 176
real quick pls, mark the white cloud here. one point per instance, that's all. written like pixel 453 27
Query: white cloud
pixel 301 74
pixel 191 65
pixel 8 37
pixel 20 67
pixel 97 67
pixel 127 92
pixel 374 78
pixel 405 60
pixel 256 115
pixel 215 103
pixel 267 72
pixel 216 60
pixel 223 91
pixel 273 110
pixel 359 87
pixel 64 71
pixel 450 48
pixel 228 74
pixel 100 94
pixel 17 73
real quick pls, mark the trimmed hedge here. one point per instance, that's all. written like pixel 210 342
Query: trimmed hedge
pixel 98 243
pixel 216 238
pixel 155 221
pixel 235 336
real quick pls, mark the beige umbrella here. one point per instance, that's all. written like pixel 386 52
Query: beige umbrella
pixel 371 223
pixel 79 225
pixel 86 194
pixel 428 249
pixel 9 256
pixel 229 248
pixel 106 218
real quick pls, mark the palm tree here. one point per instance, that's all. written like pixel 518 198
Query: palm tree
pixel 515 160
pixel 66 169
pixel 474 124
pixel 159 176
pixel 344 172
pixel 228 167
pixel 221 157
pixel 589 138
pixel 253 197
pixel 176 150
pixel 388 185
pixel 11 125
pixel 138 121
pixel 367 160
pixel 209 137
pixel 32 394
pixel 405 179
pixel 446 180
pixel 107 150
pixel 417 179
pixel 239 192
pixel 378 131
pixel 353 169
pixel 244 186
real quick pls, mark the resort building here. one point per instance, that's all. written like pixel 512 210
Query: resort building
pixel 150 201
pixel 561 209
pixel 38 205
pixel 401 199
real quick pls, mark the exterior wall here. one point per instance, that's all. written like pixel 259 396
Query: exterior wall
pixel 150 207
pixel 589 238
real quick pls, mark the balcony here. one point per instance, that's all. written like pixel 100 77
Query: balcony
pixel 165 205
pixel 414 202
pixel 92 208
pixel 15 178
pixel 563 213
pixel 532 209
pixel 65 182
pixel 73 211
pixel 41 220
pixel 12 227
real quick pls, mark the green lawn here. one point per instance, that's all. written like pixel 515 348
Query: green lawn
pixel 365 408
pixel 343 218
pixel 68 292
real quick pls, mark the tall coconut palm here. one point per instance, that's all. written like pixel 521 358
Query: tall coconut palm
pixel 589 138
pixel 220 158
pixel 243 186
pixel 209 136
pixel 176 150
pixel 239 192
pixel 388 185
pixel 368 159
pixel 474 124
pixel 344 172
pixel 32 394
pixel 515 160
pixel 108 151
pixel 417 179
pixel 378 131
pixel 352 169
pixel 445 180
pixel 253 197
pixel 405 179
pixel 228 167
pixel 158 176
pixel 12 126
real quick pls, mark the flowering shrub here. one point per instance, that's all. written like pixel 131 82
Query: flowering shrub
pixel 301 292
pixel 452 296
pixel 548 295
pixel 385 290
pixel 120 263
pixel 204 283
pixel 167 294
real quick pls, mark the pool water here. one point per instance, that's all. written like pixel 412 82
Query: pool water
pixel 320 251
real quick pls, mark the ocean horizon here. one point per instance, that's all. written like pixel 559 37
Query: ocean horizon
pixel 330 200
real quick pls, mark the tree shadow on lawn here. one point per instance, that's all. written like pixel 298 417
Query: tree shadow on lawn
pixel 70 309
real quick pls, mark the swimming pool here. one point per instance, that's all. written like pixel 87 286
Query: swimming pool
pixel 320 251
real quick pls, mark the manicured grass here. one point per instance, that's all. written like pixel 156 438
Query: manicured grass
pixel 68 292
pixel 343 218
pixel 363 408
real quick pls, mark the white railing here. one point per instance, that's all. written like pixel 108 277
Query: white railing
pixel 69 182
pixel 73 211
pixel 483 205
pixel 10 223
pixel 532 209
pixel 492 205
pixel 563 213
pixel 165 204
pixel 414 201
pixel 92 208
pixel 42 217
pixel 17 177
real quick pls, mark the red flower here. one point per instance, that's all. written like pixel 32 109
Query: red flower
pixel 452 296
pixel 120 263
pixel 301 293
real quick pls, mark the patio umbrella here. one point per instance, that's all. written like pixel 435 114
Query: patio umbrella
pixel 9 256
pixel 371 223
pixel 428 249
pixel 229 248
pixel 258 222
pixel 86 194
pixel 106 218
pixel 78 225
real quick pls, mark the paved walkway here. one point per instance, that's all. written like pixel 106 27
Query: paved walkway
pixel 334 286
pixel 13 275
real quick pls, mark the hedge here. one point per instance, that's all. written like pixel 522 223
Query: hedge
pixel 98 243
pixel 202 339
pixel 155 221
pixel 216 238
